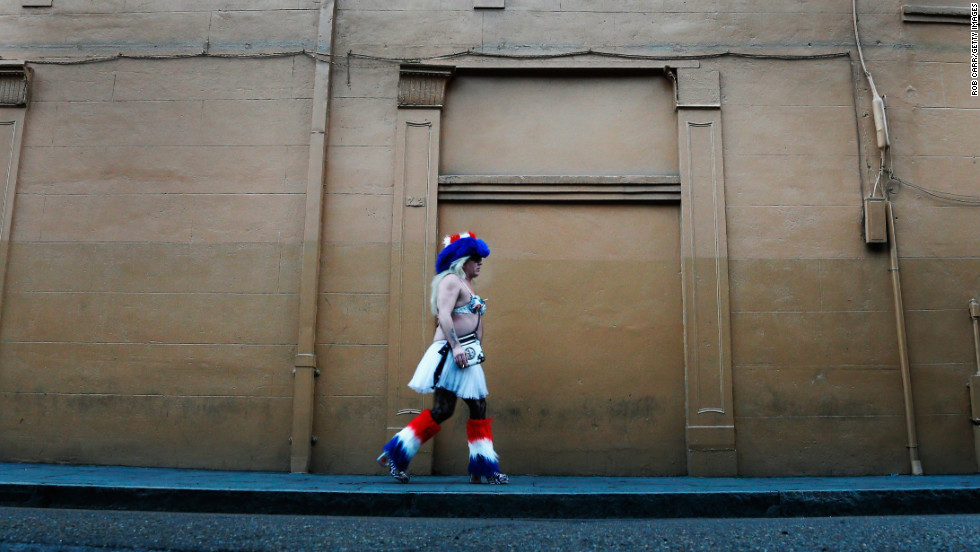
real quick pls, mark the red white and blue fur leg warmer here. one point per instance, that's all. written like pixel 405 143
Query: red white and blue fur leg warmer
pixel 483 459
pixel 403 446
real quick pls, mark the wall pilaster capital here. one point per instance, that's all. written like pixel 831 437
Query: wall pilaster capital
pixel 15 83
pixel 423 85
pixel 698 88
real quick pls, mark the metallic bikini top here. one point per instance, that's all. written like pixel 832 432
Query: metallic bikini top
pixel 476 305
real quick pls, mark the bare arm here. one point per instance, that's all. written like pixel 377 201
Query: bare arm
pixel 446 297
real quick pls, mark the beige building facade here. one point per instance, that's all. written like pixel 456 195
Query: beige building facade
pixel 220 219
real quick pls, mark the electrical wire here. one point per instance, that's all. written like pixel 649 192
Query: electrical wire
pixel 857 41
pixel 943 196
pixel 601 53
pixel 327 57
pixel 874 93
pixel 158 57
pixel 885 167
pixel 881 171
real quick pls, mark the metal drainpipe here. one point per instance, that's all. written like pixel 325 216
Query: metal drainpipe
pixel 974 384
pixel 301 438
pixel 903 347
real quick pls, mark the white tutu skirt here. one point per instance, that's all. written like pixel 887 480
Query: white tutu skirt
pixel 466 383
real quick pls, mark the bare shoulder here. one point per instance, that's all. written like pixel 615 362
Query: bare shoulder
pixel 451 283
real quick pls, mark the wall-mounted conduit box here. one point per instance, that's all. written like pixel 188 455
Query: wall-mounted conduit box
pixel 875 220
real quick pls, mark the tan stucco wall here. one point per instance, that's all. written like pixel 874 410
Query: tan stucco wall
pixel 816 358
pixel 150 304
pixel 152 293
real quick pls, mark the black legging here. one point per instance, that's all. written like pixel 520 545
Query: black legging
pixel 445 404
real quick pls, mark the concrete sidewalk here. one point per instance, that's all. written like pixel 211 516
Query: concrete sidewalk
pixel 184 490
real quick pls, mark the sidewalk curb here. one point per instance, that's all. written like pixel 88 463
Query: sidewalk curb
pixel 407 503
pixel 204 491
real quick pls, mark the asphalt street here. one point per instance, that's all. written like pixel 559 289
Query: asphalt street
pixel 43 530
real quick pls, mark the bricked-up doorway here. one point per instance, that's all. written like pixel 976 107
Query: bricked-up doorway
pixel 584 337
pixel 573 180
pixel 584 135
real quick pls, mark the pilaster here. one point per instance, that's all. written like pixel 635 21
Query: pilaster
pixel 15 81
pixel 421 93
pixel 704 265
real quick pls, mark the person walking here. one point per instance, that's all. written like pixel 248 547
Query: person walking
pixel 451 367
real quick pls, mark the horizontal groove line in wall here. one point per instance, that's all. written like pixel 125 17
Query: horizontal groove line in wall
pixel 812 205
pixel 869 366
pixel 197 100
pixel 819 312
pixel 939 259
pixel 791 106
pixel 350 345
pixel 380 98
pixel 807 155
pixel 173 146
pixel 547 185
pixel 165 12
pixel 389 193
pixel 170 243
pixel 816 416
pixel 357 243
pixel 538 189
pixel 560 197
pixel 541 191
pixel 600 12
pixel 152 194
pixel 320 396
pixel 945 107
pixel 780 312
pixel 147 343
pixel 145 395
pixel 949 310
pixel 555 179
pixel 145 293
pixel 849 259
pixel 968 364
pixel 931 156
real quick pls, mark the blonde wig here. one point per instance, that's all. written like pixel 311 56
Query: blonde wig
pixel 456 267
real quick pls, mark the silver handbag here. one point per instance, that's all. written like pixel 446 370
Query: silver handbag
pixel 473 349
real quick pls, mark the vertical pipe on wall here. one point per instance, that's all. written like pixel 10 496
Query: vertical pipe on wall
pixel 301 436
pixel 903 347
pixel 974 384
pixel 975 315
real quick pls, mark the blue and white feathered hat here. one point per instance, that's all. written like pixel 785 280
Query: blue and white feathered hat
pixel 458 246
